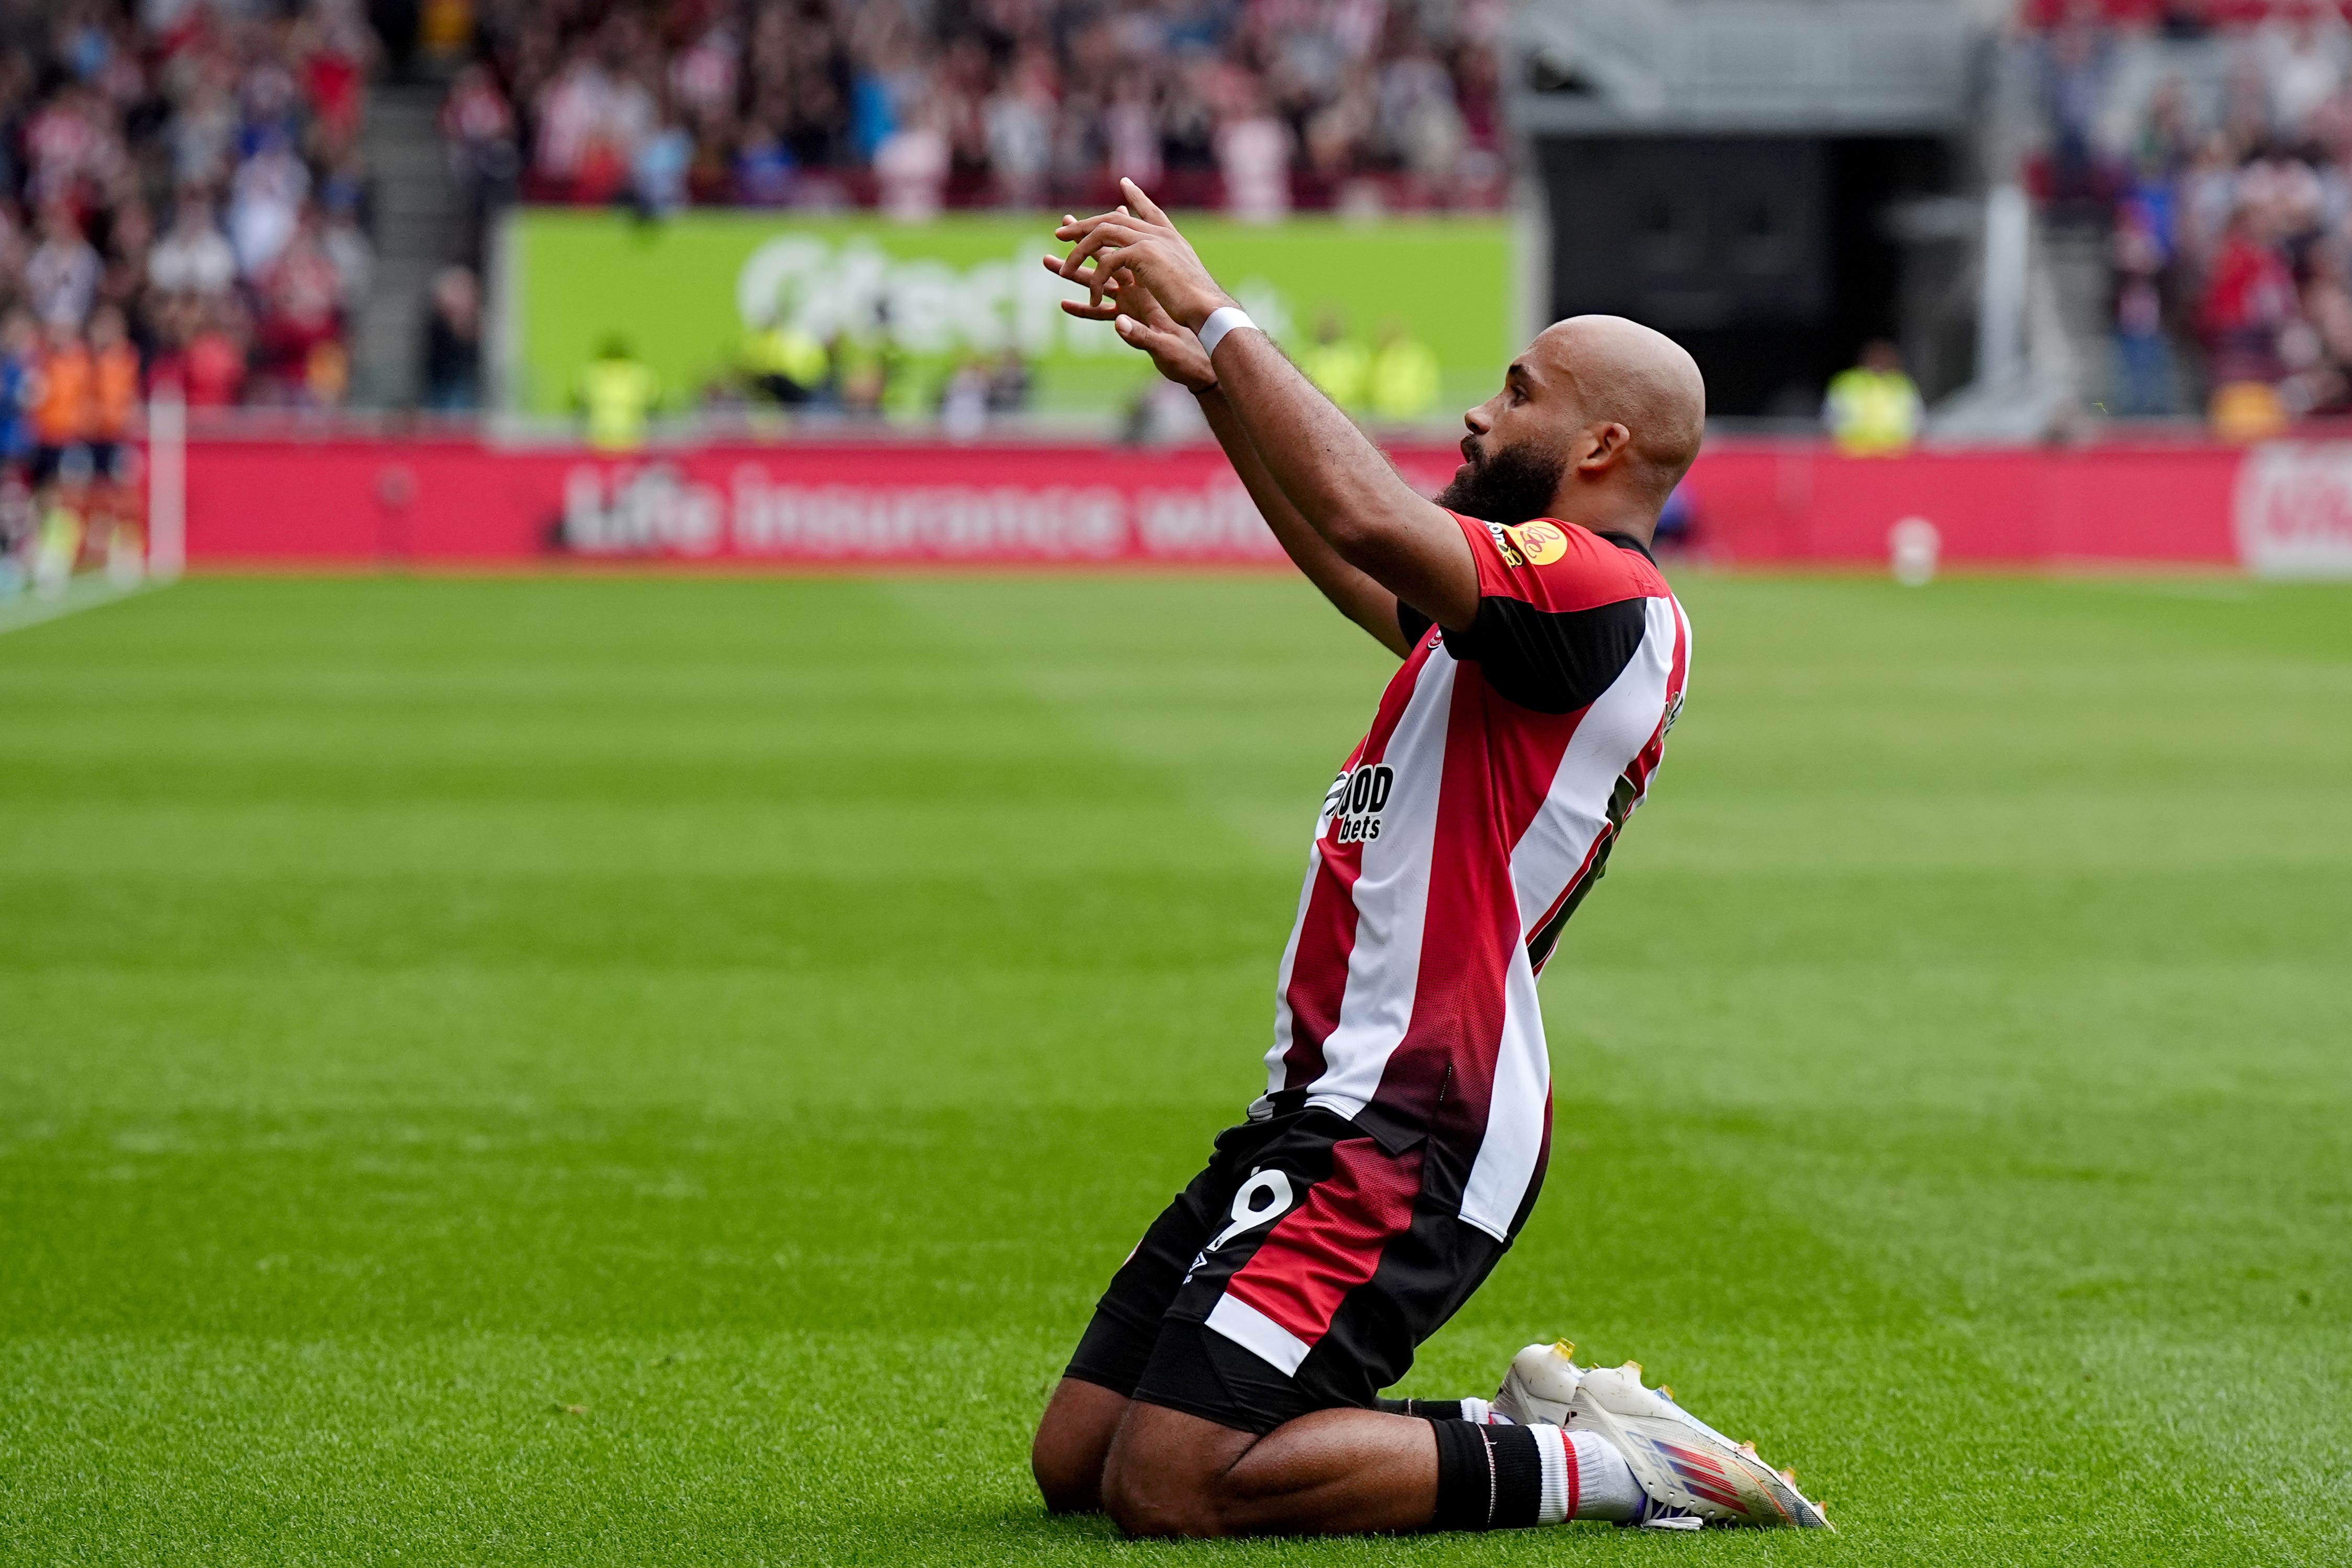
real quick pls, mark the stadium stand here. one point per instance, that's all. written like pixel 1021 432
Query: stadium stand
pixel 2200 157
pixel 196 170
pixel 1256 107
pixel 206 167
pixel 215 170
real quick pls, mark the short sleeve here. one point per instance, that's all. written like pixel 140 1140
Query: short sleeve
pixel 1561 611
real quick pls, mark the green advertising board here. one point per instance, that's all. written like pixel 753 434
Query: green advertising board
pixel 685 292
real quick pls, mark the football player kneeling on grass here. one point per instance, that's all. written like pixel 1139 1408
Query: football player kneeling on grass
pixel 1230 1381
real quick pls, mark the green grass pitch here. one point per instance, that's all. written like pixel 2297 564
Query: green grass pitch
pixel 648 1072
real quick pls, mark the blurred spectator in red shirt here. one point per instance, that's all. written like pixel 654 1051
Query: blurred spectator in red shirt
pixel 301 296
pixel 2249 298
pixel 73 148
pixel 204 353
pixel 333 49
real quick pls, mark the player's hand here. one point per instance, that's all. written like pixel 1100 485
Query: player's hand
pixel 1138 238
pixel 1142 323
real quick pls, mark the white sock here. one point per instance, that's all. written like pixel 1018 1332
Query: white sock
pixel 1605 1487
pixel 1583 1477
pixel 1483 1413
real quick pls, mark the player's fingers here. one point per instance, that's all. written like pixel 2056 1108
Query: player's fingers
pixel 1145 207
pixel 1144 309
pixel 1143 337
pixel 1083 277
pixel 1100 283
pixel 1073 227
pixel 1109 227
pixel 1138 301
pixel 1055 265
pixel 1081 251
pixel 1102 286
pixel 1104 248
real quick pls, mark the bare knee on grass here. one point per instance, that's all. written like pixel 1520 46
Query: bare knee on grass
pixel 1334 1472
pixel 1073 1440
pixel 1166 1473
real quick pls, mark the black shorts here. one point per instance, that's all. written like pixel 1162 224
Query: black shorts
pixel 111 462
pixel 68 462
pixel 1300 1272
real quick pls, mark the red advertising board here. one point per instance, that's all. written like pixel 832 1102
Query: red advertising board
pixel 457 503
pixel 349 502
pixel 1761 502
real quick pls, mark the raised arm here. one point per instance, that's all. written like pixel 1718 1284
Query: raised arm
pixel 1337 482
pixel 1176 351
pixel 1356 594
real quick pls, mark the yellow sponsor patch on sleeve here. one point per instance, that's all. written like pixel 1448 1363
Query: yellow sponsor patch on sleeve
pixel 1542 542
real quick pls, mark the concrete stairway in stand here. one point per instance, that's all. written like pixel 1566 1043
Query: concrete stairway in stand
pixel 418 231
pixel 2078 254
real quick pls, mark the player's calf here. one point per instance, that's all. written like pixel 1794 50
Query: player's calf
pixel 1361 1471
pixel 1331 1473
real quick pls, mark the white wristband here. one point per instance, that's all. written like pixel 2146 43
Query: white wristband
pixel 1221 320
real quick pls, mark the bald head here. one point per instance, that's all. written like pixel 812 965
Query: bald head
pixel 1623 373
pixel 1596 423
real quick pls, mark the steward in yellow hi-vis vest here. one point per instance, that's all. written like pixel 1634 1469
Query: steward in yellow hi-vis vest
pixel 784 362
pixel 1337 366
pixel 1403 375
pixel 1873 410
pixel 616 391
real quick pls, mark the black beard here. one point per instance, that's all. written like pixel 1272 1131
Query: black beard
pixel 1513 485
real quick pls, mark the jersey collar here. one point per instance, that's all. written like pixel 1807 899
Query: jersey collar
pixel 1627 542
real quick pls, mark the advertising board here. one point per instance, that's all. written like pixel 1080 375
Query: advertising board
pixel 847 505
pixel 2293 510
pixel 878 504
pixel 685 293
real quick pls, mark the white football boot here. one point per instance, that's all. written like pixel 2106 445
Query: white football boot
pixel 1541 1382
pixel 1685 1466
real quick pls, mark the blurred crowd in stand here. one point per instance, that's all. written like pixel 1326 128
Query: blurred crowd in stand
pixel 2213 143
pixel 1256 106
pixel 182 201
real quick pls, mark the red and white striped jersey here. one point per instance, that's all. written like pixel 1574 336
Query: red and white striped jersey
pixel 1460 837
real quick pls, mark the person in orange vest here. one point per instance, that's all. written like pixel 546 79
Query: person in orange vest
pixel 60 420
pixel 62 374
pixel 113 426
